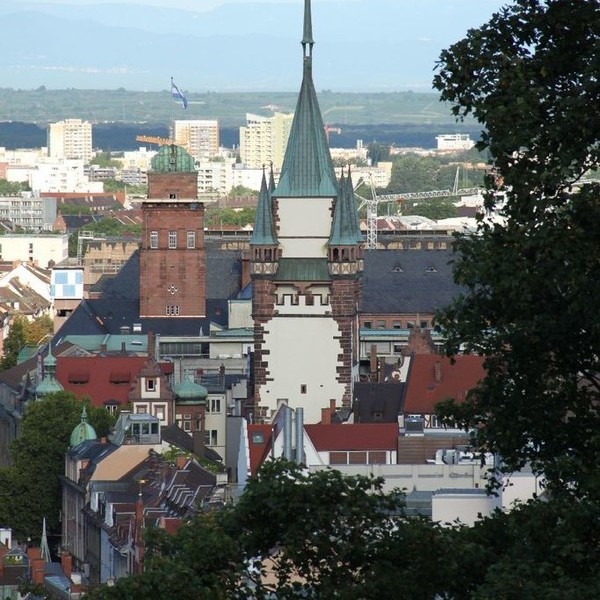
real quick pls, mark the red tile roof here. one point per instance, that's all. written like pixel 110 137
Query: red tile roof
pixel 101 378
pixel 424 389
pixel 260 441
pixel 358 436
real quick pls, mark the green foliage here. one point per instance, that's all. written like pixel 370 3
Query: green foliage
pixel 38 330
pixel 239 191
pixel 15 340
pixel 532 301
pixel 216 217
pixel 74 209
pixel 103 159
pixel 30 487
pixel 13 188
pixel 113 185
pixel 378 152
pixel 432 208
pixel 113 227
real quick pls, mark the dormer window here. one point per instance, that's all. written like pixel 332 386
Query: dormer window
pixel 150 385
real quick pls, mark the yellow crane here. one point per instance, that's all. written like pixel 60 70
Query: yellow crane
pixel 152 139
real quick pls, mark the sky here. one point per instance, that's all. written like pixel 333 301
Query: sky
pixel 244 45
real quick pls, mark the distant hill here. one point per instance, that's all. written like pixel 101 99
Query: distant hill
pixel 363 45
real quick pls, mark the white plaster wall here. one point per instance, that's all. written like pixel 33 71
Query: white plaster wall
pixel 468 508
pixel 304 226
pixel 520 487
pixel 302 351
pixel 240 314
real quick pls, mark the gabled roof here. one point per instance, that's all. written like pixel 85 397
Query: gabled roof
pixel 358 436
pixel 260 440
pixel 382 398
pixel 307 170
pixel 433 378
pixel 407 281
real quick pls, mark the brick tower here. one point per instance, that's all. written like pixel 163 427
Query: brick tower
pixel 306 261
pixel 172 261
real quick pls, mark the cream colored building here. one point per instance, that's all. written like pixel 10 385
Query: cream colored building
pixel 41 248
pixel 71 138
pixel 264 139
pixel 199 137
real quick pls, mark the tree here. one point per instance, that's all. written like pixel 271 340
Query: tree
pixel 104 159
pixel 377 152
pixel 532 284
pixel 14 342
pixel 38 330
pixel 30 488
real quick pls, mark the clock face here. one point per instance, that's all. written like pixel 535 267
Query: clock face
pixel 172 289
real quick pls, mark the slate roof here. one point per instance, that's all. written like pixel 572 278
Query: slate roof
pixel 406 281
pixel 423 392
pixel 383 398
pixel 358 436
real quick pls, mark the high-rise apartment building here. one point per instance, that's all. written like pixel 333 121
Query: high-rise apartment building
pixel 199 137
pixel 264 139
pixel 71 138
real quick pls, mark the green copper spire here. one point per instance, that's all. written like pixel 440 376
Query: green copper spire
pixel 344 226
pixel 307 169
pixel 353 208
pixel 263 234
pixel 307 38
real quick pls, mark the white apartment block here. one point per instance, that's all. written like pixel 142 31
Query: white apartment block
pixel 137 159
pixel 29 211
pixel 43 249
pixel 454 142
pixel 264 139
pixel 215 178
pixel 199 137
pixel 71 138
pixel 59 176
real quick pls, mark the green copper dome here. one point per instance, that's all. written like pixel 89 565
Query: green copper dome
pixel 83 431
pixel 172 159
pixel 189 390
pixel 48 385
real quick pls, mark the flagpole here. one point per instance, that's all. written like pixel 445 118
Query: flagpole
pixel 172 113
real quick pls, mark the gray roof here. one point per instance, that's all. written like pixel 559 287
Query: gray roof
pixel 403 281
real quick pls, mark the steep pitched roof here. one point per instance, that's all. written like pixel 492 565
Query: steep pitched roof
pixel 263 233
pixel 260 440
pixel 345 230
pixel 358 436
pixel 433 378
pixel 307 170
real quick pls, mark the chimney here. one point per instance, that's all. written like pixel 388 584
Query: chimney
pixel 102 348
pixel 37 571
pixel 373 363
pixel 3 553
pixel 245 270
pixel 325 416
pixel 199 439
pixel 151 344
pixel 66 561
pixel 437 371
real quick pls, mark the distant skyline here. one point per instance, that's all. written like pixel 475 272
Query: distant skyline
pixel 230 45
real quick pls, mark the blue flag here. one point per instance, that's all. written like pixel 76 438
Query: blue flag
pixel 176 94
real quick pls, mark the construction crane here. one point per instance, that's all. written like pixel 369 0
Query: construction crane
pixel 375 200
pixel 152 139
pixel 329 129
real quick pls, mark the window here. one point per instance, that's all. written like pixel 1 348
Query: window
pixel 367 324
pixel 191 239
pixel 303 388
pixel 258 438
pixel 397 325
pixel 172 239
pixel 150 385
pixel 154 240
pixel 187 426
pixel 423 324
pixel 380 324
pixel 211 437
pixel 215 405
pixel 159 412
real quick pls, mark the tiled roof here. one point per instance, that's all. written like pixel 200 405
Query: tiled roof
pixel 260 441
pixel 358 436
pixel 404 281
pixel 424 389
